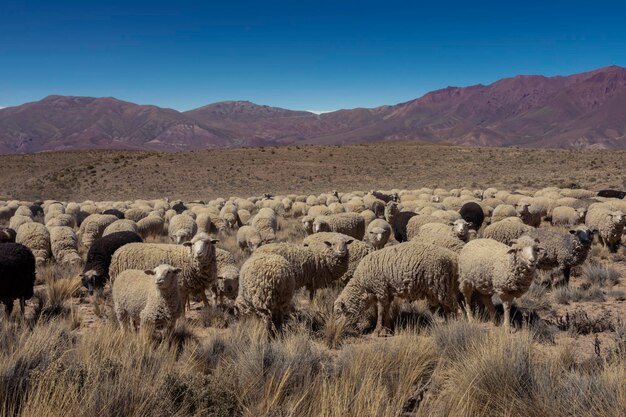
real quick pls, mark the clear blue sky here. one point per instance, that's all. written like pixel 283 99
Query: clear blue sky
pixel 316 55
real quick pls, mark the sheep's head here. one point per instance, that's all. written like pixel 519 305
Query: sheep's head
pixel 230 220
pixel 228 282
pixel 584 234
pixel 335 193
pixel 338 246
pixel 435 199
pixel 617 218
pixel 376 235
pixel 582 213
pixel 307 223
pixel 351 303
pixel 180 237
pixel 254 241
pixel 391 209
pixel 165 276
pixel 93 281
pixel 526 250
pixel 461 228
pixel 202 245
pixel 320 225
pixel 522 208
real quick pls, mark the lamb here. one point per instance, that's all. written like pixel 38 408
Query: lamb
pixel 490 267
pixel 182 228
pixel 248 238
pixel 415 223
pixel 196 259
pixel 609 223
pixel 506 230
pixel 96 270
pixel 450 236
pixel 568 216
pixel 316 265
pixel 150 226
pixel 64 245
pixel 266 224
pixel 409 270
pixel 472 213
pixel 93 226
pixel 123 225
pixel 7 235
pixel 529 213
pixel 350 224
pixel 377 233
pixel 36 237
pixel 148 299
pixel 564 250
pixel 266 288
pixel 17 275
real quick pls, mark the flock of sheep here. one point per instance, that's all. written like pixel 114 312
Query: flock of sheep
pixel 444 246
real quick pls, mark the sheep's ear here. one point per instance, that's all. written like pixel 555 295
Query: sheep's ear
pixel 187 244
pixel 450 223
pixel 327 243
pixel 513 242
pixel 572 231
pixel 470 224
pixel 149 272
pixel 214 241
pixel 349 241
pixel 537 240
pixel 511 250
pixel 177 270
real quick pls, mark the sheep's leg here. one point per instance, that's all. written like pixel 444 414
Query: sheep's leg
pixel 311 293
pixel 486 299
pixel 382 325
pixel 123 319
pixel 566 274
pixel 467 294
pixel 23 306
pixel 506 303
pixel 204 298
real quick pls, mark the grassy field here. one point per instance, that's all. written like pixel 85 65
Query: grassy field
pixel 566 357
pixel 112 175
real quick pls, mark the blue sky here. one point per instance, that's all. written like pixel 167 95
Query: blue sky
pixel 317 55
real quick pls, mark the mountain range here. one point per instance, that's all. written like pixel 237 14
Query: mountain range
pixel 586 110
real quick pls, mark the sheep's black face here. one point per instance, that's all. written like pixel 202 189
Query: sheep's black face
pixel 584 235
pixel 93 281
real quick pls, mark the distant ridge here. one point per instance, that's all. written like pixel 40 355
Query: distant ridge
pixel 586 110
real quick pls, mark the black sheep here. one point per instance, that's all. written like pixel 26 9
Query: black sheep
pixel 96 271
pixel 385 197
pixel 612 194
pixel 80 217
pixel 36 210
pixel 7 235
pixel 114 212
pixel 179 207
pixel 400 221
pixel 473 214
pixel 17 275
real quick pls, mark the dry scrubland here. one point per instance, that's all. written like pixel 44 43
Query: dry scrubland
pixel 567 356
pixel 104 175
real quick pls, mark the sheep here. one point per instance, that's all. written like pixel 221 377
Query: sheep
pixel 228 214
pixel 307 224
pixel 123 225
pixel 64 245
pixel 529 213
pixel 568 216
pixel 416 222
pixel 62 220
pixel 350 224
pixel 386 198
pixel 563 250
pixel 316 265
pixel 148 299
pixel 36 237
pixel 196 258
pixel 182 228
pixel 18 220
pixel 179 207
pixel 227 282
pixel 7 235
pixel 17 275
pixel 490 267
pixel 609 223
pixel 450 236
pixel 93 226
pixel 150 226
pixel 266 288
pixel 506 230
pixel 7 212
pixel 398 220
pixel 409 270
pixel 266 224
pixel 612 194
pixel 472 213
pixel 503 211
pixel 96 270
pixel 298 209
pixel 248 238
pixel 24 211
pixel 356 250
pixel 117 213
pixel 377 233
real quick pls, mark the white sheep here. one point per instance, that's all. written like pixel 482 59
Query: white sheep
pixel 507 230
pixel 490 267
pixel 150 226
pixel 64 245
pixel 122 225
pixel 450 236
pixel 35 237
pixel 248 238
pixel 93 226
pixel 18 220
pixel 609 224
pixel 182 228
pixel 377 233
pixel 568 216
pixel 350 224
pixel 266 223
pixel 148 299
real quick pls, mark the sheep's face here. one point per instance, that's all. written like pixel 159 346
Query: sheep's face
pixel 377 235
pixel 583 234
pixel 307 223
pixel 228 284
pixel 461 228
pixel 254 243
pixel 391 209
pixel 338 247
pixel 165 276
pixel 582 214
pixel 93 281
pixel 230 220
pixel 201 247
pixel 617 217
pixel 526 250
pixel 349 310
pixel 522 208
pixel 180 237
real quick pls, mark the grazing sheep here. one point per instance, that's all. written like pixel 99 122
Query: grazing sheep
pixel 506 230
pixel 248 238
pixel 350 224
pixel 64 245
pixel 227 282
pixel 96 270
pixel 7 235
pixel 502 212
pixel 150 226
pixel 408 270
pixel 148 299
pixel 415 223
pixel 93 226
pixel 18 220
pixel 266 288
pixel 450 236
pixel 377 233
pixel 123 225
pixel 17 275
pixel 568 216
pixel 182 228
pixel 196 259
pixel 36 237
pixel 563 250
pixel 472 213
pixel 608 223
pixel 316 265
pixel 490 267
pixel 529 213
pixel 266 224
